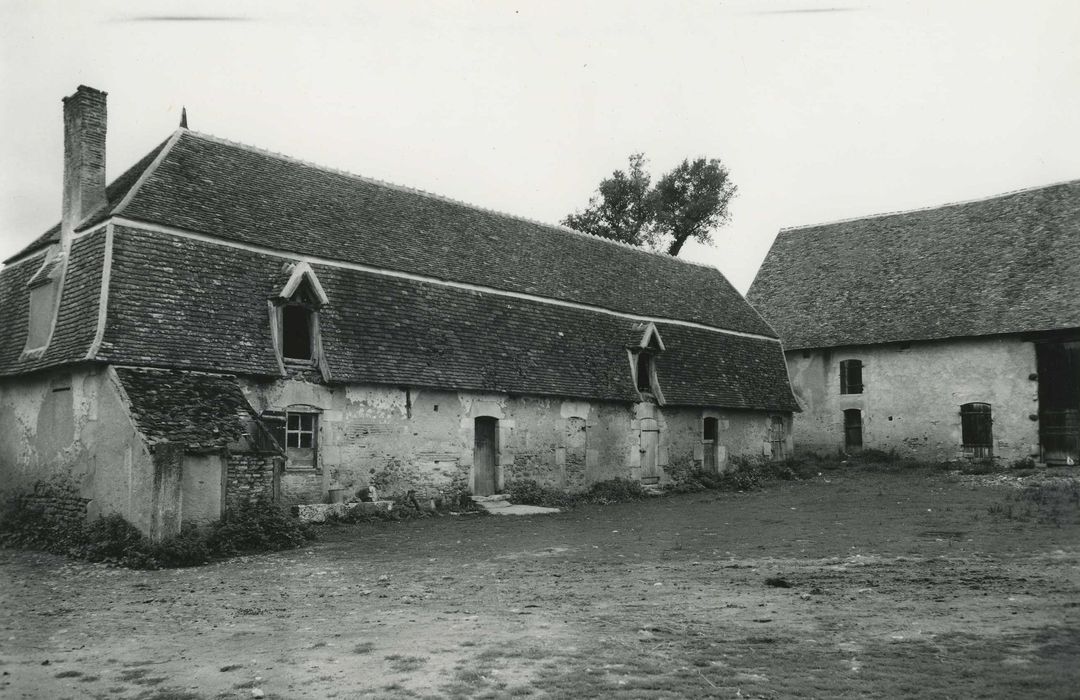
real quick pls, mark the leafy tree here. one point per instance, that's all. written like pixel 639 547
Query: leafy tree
pixel 621 209
pixel 689 202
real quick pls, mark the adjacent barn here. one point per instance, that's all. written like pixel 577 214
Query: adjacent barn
pixel 943 333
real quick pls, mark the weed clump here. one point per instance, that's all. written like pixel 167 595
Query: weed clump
pixel 615 491
pixel 257 526
pixel 743 474
pixel 530 493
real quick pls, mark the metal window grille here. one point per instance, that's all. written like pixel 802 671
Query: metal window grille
pixel 977 428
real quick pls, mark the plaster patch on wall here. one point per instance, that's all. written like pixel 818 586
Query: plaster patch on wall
pixel 574 409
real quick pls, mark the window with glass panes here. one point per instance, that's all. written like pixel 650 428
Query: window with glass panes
pixel 300 430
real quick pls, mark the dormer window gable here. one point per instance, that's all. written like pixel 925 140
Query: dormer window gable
pixel 301 276
pixel 645 347
pixel 294 317
pixel 648 337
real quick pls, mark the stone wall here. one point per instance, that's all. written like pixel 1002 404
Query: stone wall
pixel 57 500
pixel 249 477
pixel 401 439
pixel 912 396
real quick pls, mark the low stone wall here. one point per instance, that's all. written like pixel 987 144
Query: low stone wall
pixel 56 502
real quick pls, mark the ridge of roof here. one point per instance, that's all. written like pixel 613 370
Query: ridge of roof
pixel 147 171
pixel 437 197
pixel 932 207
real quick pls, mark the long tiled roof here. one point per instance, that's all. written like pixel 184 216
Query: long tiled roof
pixel 214 187
pixel 1009 264
pixel 183 303
pixel 411 279
pixel 197 410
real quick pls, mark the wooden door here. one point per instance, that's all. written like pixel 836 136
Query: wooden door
pixel 650 443
pixel 1059 401
pixel 853 437
pixel 485 450
pixel 777 437
pixel 202 484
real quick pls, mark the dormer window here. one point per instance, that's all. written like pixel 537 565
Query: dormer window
pixel 294 316
pixel 644 371
pixel 44 288
pixel 296 321
pixel 644 348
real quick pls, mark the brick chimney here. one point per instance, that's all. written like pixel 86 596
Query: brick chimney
pixel 84 158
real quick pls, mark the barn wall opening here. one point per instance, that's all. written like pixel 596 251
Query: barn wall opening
pixel 853 429
pixel 1059 401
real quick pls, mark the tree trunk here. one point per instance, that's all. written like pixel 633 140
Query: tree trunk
pixel 676 246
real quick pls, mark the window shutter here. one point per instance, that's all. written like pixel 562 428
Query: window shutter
pixel 976 425
pixel 851 377
pixel 275 424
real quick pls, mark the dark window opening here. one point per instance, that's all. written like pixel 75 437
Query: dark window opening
pixel 644 370
pixel 710 429
pixel 710 437
pixel 976 427
pixel 296 332
pixel 851 377
pixel 853 438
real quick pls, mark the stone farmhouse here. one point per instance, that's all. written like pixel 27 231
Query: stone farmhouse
pixel 942 333
pixel 222 322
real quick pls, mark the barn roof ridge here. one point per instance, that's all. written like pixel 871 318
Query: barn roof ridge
pixel 929 207
pixel 436 196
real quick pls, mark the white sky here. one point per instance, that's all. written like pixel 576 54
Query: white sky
pixel 823 109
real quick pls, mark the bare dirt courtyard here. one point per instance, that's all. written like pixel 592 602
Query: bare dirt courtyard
pixel 850 584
